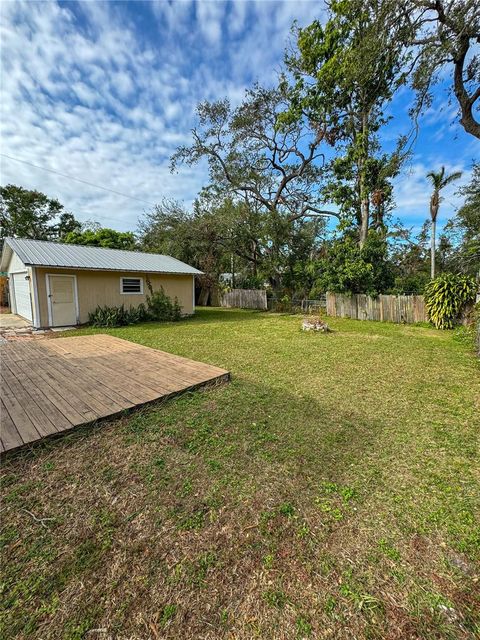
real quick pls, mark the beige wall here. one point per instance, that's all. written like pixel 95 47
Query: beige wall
pixel 100 288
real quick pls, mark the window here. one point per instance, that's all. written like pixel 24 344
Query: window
pixel 131 285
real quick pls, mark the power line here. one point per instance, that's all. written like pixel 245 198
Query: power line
pixel 64 175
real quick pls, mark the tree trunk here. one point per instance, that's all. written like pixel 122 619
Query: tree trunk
pixel 466 102
pixel 203 297
pixel 254 258
pixel 364 225
pixel 232 268
pixel 364 199
pixel 432 250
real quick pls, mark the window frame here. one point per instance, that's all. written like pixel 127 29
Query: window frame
pixel 131 293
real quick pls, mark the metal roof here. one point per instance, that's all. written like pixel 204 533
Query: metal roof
pixel 39 253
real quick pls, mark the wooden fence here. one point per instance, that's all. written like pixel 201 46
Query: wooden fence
pixel 3 291
pixel 407 309
pixel 245 299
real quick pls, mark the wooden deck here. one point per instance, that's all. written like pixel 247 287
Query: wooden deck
pixel 51 385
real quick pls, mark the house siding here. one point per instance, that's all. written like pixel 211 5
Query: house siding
pixel 100 288
pixel 16 264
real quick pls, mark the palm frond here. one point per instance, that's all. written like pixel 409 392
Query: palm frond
pixel 453 176
pixel 435 178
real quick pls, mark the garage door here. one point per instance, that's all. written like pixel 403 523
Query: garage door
pixel 21 291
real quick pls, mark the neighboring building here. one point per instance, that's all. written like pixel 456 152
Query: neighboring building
pixel 58 285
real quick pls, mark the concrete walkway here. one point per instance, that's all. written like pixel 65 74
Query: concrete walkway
pixel 13 327
pixel 13 322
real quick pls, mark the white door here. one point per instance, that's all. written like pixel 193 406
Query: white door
pixel 21 292
pixel 62 300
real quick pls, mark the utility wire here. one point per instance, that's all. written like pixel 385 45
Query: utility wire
pixel 64 175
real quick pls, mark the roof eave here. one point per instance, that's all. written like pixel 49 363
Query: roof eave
pixel 6 255
pixel 76 268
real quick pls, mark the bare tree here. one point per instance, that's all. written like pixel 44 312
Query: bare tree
pixel 252 155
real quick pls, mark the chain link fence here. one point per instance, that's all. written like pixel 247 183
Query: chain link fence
pixel 297 305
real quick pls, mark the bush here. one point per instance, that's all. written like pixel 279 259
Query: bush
pixel 410 284
pixel 348 269
pixel 445 297
pixel 117 316
pixel 159 307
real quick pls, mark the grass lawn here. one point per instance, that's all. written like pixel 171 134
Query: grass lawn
pixel 331 490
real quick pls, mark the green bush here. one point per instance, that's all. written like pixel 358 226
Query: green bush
pixel 446 296
pixel 117 316
pixel 410 284
pixel 348 269
pixel 159 307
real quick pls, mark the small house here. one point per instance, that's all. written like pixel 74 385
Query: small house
pixel 58 285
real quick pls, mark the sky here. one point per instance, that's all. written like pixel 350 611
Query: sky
pixel 106 91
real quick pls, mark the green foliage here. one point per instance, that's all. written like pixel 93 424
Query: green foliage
pixel 410 284
pixel 345 73
pixel 159 308
pixel 103 237
pixel 275 598
pixel 463 231
pixel 168 613
pixel 117 316
pixel 32 214
pixel 446 295
pixel 347 268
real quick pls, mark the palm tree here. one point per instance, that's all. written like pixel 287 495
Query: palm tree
pixel 439 181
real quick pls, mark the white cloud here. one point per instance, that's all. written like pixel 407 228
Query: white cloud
pixel 413 190
pixel 210 17
pixel 88 92
pixel 84 94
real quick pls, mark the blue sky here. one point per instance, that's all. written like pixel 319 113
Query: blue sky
pixel 105 91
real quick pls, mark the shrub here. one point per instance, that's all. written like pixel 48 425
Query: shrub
pixel 138 314
pixel 161 307
pixel 117 316
pixel 445 297
pixel 348 269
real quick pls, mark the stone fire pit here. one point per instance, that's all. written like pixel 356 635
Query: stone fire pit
pixel 314 323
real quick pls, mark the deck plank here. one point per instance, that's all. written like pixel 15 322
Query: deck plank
pixel 67 390
pixel 87 390
pixel 52 385
pixel 10 436
pixel 19 415
pixel 26 397
pixel 52 395
pixel 46 405
pixel 99 380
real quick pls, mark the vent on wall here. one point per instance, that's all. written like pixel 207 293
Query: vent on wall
pixel 131 285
